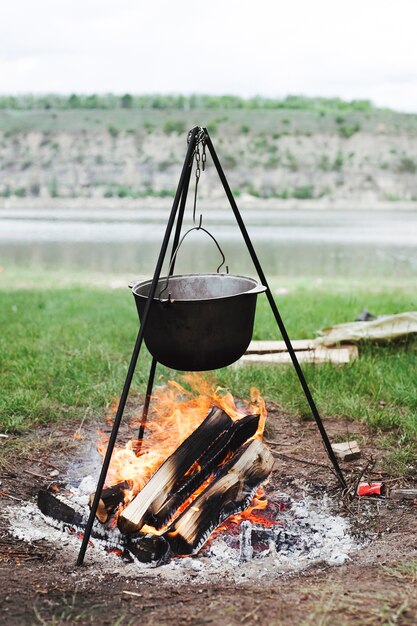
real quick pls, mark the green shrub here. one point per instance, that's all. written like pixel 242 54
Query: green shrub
pixel 326 191
pixel 347 130
pixel 338 162
pixel 229 161
pixel 244 129
pixel 113 130
pixel 407 165
pixel 324 163
pixel 20 192
pixel 260 144
pixel 164 165
pixel 35 189
pixel 174 126
pixel 304 192
pixel 272 162
pixel 212 128
pixel 249 188
pixel 53 187
pixel 126 101
pixel 124 191
pixel 292 162
pixel 284 194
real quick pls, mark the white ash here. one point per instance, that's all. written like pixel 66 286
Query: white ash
pixel 306 533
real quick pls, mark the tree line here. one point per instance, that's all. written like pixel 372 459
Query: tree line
pixel 178 102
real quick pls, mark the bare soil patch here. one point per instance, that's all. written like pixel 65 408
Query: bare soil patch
pixel 39 586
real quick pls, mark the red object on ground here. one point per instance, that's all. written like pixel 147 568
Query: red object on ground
pixel 371 489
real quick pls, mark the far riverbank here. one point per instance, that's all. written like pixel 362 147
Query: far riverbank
pixel 244 201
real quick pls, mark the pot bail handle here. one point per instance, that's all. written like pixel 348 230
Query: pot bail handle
pixel 199 227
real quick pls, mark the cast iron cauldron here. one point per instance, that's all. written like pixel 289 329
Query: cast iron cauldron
pixel 199 322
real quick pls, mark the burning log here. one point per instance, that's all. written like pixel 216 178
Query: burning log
pixel 231 492
pixel 110 499
pixel 228 442
pixel 157 490
pixel 148 548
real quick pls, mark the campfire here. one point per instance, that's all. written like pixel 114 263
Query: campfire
pixel 202 462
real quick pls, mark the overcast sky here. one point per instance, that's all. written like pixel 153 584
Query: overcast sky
pixel 352 49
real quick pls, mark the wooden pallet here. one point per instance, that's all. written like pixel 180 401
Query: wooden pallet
pixel 275 353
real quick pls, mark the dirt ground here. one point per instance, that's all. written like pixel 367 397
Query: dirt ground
pixel 377 586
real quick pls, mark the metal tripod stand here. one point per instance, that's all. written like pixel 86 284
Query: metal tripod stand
pixel 196 135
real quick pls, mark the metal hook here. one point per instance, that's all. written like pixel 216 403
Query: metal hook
pixel 199 227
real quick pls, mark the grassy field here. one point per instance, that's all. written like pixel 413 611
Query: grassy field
pixel 64 353
pixel 241 121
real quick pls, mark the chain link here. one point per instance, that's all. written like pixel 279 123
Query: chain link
pixel 199 158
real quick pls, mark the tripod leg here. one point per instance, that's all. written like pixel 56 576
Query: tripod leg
pixel 146 406
pixel 136 351
pixel 277 315
pixel 154 362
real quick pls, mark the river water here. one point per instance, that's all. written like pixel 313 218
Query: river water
pixel 288 242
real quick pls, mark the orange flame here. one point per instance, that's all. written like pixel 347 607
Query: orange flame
pixel 176 411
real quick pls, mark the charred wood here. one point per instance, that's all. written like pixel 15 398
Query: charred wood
pixel 157 490
pixel 231 492
pixel 148 548
pixel 228 442
pixel 51 506
pixel 110 499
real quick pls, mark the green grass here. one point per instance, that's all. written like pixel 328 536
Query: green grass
pixel 15 122
pixel 383 373
pixel 65 351
pixel 62 351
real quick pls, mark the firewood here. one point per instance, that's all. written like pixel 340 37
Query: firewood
pixel 317 355
pixel 403 494
pixel 156 491
pixel 347 450
pixel 110 499
pixel 144 548
pixel 271 347
pixel 51 506
pixel 228 442
pixel 148 548
pixel 231 492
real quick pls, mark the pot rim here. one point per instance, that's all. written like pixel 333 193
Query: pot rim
pixel 257 287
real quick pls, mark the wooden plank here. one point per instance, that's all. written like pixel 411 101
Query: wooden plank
pixel 265 347
pixel 346 450
pixel 337 356
pixel 403 494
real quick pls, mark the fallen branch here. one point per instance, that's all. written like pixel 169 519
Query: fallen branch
pixel 285 457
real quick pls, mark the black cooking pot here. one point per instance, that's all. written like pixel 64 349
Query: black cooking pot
pixel 199 322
